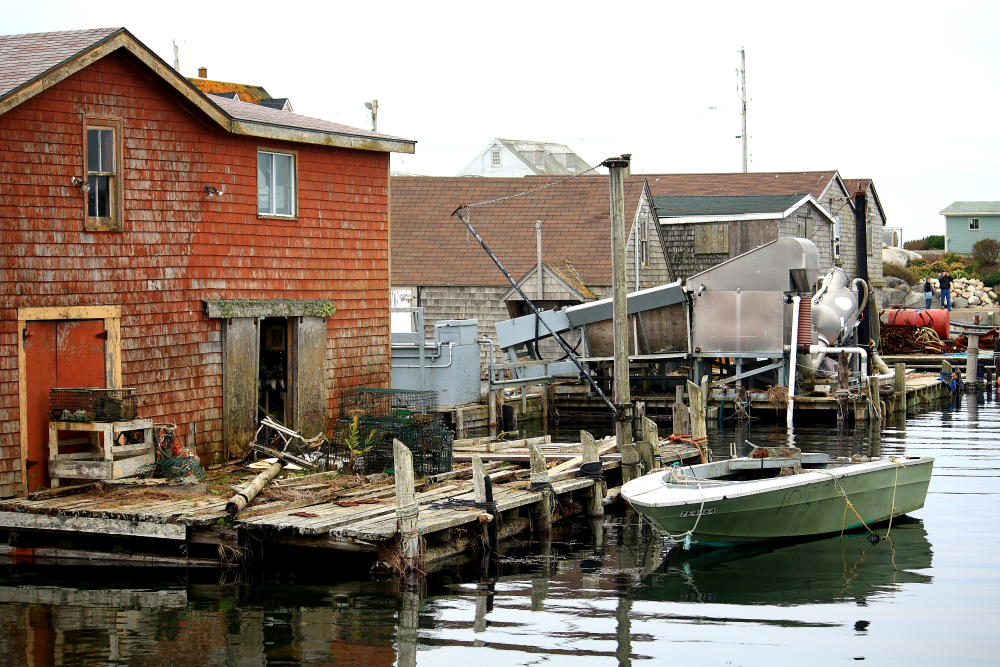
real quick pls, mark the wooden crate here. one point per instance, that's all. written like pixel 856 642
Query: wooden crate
pixel 106 459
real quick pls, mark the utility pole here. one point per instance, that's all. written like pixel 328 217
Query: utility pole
pixel 622 392
pixel 743 103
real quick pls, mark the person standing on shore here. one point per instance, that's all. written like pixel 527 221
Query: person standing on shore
pixel 944 282
pixel 928 293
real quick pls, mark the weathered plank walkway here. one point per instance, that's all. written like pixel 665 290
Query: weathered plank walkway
pixel 452 514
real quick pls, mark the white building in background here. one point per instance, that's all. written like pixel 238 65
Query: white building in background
pixel 513 157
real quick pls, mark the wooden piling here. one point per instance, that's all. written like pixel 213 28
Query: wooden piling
pixel 876 398
pixel 699 432
pixel 478 480
pixel 541 518
pixel 407 510
pixel 650 450
pixel 589 454
pixel 492 407
pixel 899 386
pixel 680 414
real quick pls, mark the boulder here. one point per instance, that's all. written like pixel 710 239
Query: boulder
pixel 898 256
pixel 893 297
pixel 895 283
pixel 913 300
pixel 974 301
pixel 960 302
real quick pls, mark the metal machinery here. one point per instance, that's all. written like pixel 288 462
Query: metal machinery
pixel 737 322
pixel 447 364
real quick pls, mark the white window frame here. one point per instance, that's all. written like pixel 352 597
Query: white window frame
pixel 293 186
pixel 495 158
pixel 974 224
pixel 836 237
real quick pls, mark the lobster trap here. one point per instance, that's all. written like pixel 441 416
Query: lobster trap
pixel 430 443
pixel 92 404
pixel 389 405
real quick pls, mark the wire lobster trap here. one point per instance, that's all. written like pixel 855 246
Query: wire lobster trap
pixel 370 446
pixel 389 405
pixel 92 404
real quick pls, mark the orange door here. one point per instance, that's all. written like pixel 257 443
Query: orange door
pixel 58 353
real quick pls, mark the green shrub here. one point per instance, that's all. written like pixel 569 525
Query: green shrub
pixel 991 279
pixel 952 258
pixel 899 271
pixel 935 242
pixel 986 251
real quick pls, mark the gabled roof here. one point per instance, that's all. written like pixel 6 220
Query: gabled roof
pixel 246 92
pixel 740 184
pixel 32 63
pixel 868 187
pixel 723 205
pixel 973 208
pixel 539 156
pixel 432 247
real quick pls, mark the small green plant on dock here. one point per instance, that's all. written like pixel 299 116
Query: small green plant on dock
pixel 357 444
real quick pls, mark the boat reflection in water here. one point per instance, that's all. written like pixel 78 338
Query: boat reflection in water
pixel 831 569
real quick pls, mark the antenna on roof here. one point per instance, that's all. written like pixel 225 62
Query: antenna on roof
pixel 743 103
pixel 373 107
pixel 177 57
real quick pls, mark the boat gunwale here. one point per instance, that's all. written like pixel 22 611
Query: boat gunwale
pixel 715 490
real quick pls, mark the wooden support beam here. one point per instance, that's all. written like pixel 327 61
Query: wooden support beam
pixel 407 510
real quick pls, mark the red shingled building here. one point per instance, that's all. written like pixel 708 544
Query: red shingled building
pixel 215 254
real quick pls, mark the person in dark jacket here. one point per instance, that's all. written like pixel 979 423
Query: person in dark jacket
pixel 928 293
pixel 944 282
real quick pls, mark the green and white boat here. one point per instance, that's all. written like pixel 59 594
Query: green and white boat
pixel 778 493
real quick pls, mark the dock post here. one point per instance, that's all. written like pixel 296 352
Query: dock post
pixel 650 451
pixel 407 510
pixel 478 480
pixel 699 434
pixel 493 525
pixel 972 361
pixel 630 460
pixel 843 389
pixel 491 398
pixel 899 385
pixel 588 452
pixel 680 414
pixel 541 519
pixel 876 398
pixel 545 408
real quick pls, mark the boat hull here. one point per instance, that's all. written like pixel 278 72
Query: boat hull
pixel 811 503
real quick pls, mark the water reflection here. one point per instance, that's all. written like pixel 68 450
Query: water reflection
pixel 813 572
pixel 612 592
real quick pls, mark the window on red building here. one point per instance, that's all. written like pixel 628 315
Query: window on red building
pixel 103 186
pixel 275 184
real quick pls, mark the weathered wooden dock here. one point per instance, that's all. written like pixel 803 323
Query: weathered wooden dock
pixel 488 497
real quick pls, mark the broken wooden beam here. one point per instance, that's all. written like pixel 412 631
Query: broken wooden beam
pixel 250 490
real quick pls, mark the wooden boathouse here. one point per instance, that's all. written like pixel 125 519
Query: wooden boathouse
pixel 191 246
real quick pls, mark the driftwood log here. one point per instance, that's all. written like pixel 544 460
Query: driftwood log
pixel 250 490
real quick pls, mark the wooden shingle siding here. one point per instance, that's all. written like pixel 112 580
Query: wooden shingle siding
pixel 179 247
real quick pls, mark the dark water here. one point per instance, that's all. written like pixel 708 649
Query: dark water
pixel 930 593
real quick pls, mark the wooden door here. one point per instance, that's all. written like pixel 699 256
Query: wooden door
pixel 240 354
pixel 307 374
pixel 58 353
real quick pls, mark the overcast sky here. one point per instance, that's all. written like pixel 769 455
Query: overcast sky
pixel 905 93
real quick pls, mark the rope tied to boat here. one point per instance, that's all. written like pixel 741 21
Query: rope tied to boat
pixel 675 475
pixel 849 504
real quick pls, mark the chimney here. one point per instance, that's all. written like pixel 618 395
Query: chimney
pixel 202 72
